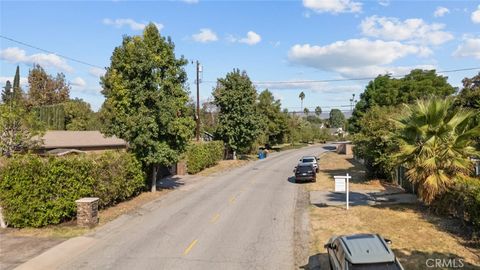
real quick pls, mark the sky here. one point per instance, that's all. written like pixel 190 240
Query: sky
pixel 285 46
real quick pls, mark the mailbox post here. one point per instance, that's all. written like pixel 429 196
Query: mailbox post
pixel 342 185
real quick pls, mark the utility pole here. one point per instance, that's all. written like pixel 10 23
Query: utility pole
pixel 352 102
pixel 197 131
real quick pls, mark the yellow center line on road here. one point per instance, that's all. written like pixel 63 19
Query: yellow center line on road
pixel 187 250
pixel 215 218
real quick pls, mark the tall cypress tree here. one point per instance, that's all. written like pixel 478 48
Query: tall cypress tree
pixel 6 93
pixel 17 90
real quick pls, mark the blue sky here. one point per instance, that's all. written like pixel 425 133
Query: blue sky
pixel 282 45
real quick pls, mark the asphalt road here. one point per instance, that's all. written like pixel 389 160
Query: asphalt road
pixel 241 219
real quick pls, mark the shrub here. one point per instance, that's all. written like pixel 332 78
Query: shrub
pixel 37 191
pixel 462 201
pixel 203 155
pixel 118 176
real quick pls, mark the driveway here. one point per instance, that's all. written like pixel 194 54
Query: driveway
pixel 241 219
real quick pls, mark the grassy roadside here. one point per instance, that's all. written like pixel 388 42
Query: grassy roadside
pixel 417 235
pixel 70 229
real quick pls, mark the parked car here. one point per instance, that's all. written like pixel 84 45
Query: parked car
pixel 305 172
pixel 310 160
pixel 361 251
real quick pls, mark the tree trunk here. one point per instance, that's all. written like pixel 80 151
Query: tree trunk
pixel 154 178
pixel 234 155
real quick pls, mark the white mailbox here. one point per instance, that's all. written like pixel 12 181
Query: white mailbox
pixel 341 185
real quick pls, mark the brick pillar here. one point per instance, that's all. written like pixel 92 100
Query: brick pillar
pixel 87 212
pixel 181 168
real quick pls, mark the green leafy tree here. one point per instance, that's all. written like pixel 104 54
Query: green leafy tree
pixel 146 99
pixel 435 145
pixel 273 120
pixel 314 120
pixel 302 97
pixel 239 123
pixel 469 98
pixel 7 92
pixel 79 115
pixel 13 93
pixel 306 111
pixel 18 127
pixel 388 91
pixel 45 89
pixel 373 143
pixel 337 119
pixel 17 89
pixel 318 111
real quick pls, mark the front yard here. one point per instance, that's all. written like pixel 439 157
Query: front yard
pixel 417 235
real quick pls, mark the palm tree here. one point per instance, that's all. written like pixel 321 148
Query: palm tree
pixel 306 111
pixel 302 97
pixel 436 143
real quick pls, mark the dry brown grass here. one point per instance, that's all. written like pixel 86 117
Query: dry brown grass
pixel 334 164
pixel 223 165
pixel 416 234
pixel 415 239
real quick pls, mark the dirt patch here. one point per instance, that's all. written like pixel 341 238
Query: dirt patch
pixel 20 245
pixel 332 164
pixel 224 165
pixel 417 235
pixel 301 235
pixel 415 239
pixel 21 249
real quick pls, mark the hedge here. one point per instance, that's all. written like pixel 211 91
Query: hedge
pixel 36 191
pixel 53 116
pixel 203 155
pixel 463 202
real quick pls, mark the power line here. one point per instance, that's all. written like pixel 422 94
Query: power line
pixel 254 82
pixel 348 79
pixel 47 51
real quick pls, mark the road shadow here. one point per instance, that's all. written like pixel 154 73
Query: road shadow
pixel 170 182
pixel 318 261
pixel 324 199
pixel 291 179
pixel 329 147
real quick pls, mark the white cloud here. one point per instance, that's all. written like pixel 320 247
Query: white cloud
pixel 314 86
pixel 251 39
pixel 79 82
pixel 190 1
pixel 333 6
pixel 384 3
pixel 23 81
pixel 134 25
pixel 16 55
pixel 476 15
pixel 441 11
pixel 412 30
pixel 470 47
pixel 96 72
pixel 374 70
pixel 354 57
pixel 205 35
